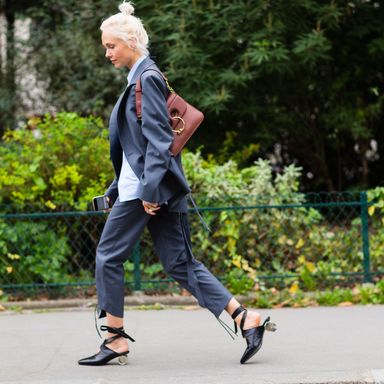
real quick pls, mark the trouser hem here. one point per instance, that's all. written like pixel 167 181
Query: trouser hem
pixel 103 312
pixel 217 312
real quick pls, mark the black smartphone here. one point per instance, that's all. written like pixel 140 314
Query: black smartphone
pixel 100 203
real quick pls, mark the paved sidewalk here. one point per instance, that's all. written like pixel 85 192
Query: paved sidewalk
pixel 312 345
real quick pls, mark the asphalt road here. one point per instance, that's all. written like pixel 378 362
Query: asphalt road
pixel 311 345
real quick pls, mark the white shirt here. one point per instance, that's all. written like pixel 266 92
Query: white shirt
pixel 128 185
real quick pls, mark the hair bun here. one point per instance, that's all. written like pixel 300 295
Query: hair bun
pixel 126 8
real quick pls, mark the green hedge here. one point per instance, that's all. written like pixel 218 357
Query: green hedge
pixel 55 161
pixel 61 162
pixel 32 252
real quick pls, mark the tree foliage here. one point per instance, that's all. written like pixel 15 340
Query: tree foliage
pixel 55 161
pixel 297 81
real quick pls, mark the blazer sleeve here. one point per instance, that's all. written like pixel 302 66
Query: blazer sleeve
pixel 112 191
pixel 157 130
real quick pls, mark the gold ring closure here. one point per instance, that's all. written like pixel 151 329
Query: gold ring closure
pixel 180 130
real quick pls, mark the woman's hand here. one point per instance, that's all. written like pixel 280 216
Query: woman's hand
pixel 150 208
pixel 109 202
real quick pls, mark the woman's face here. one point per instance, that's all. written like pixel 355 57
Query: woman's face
pixel 117 51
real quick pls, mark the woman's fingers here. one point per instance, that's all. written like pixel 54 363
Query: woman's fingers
pixel 152 205
pixel 150 208
pixel 151 211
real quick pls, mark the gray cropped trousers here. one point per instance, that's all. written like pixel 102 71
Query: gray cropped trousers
pixel 171 237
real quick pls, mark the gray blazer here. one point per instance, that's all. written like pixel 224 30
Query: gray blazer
pixel 147 144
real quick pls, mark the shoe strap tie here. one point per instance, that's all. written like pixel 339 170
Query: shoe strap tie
pixel 119 332
pixel 226 327
pixel 236 313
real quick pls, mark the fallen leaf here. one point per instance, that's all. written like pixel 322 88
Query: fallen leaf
pixel 294 287
pixel 286 303
pixel 184 292
pixel 345 304
pixel 371 210
pixel 300 243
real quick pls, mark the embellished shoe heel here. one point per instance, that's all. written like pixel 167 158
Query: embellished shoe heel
pixel 106 354
pixel 253 336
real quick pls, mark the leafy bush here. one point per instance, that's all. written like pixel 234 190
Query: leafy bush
pixel 60 160
pixel 359 294
pixel 63 161
pixel 376 211
pixel 313 243
pixel 239 282
pixel 32 252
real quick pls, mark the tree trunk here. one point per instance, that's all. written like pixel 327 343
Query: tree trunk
pixel 9 76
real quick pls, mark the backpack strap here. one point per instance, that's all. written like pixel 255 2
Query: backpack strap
pixel 138 91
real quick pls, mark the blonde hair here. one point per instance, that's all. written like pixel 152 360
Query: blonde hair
pixel 126 27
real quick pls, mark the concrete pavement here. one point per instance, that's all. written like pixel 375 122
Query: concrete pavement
pixel 311 345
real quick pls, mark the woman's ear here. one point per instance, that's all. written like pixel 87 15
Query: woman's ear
pixel 133 43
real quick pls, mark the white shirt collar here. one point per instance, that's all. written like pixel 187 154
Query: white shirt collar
pixel 134 68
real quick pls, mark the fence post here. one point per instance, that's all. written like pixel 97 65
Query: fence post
pixel 365 236
pixel 136 268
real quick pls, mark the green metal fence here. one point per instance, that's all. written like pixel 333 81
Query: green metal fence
pixel 315 240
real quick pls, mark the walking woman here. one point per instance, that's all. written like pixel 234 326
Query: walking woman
pixel 149 190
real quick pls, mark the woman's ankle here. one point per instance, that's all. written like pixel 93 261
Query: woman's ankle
pixel 119 345
pixel 232 306
pixel 252 319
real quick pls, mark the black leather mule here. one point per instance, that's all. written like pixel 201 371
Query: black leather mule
pixel 106 354
pixel 253 336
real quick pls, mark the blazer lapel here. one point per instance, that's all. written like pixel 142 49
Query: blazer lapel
pixel 121 118
pixel 121 103
pixel 123 130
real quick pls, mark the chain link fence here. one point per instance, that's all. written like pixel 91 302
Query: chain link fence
pixel 312 240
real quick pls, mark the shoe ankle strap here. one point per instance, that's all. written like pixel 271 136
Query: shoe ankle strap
pixel 236 313
pixel 119 332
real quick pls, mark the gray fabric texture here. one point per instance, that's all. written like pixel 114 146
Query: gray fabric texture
pixel 170 234
pixel 146 145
